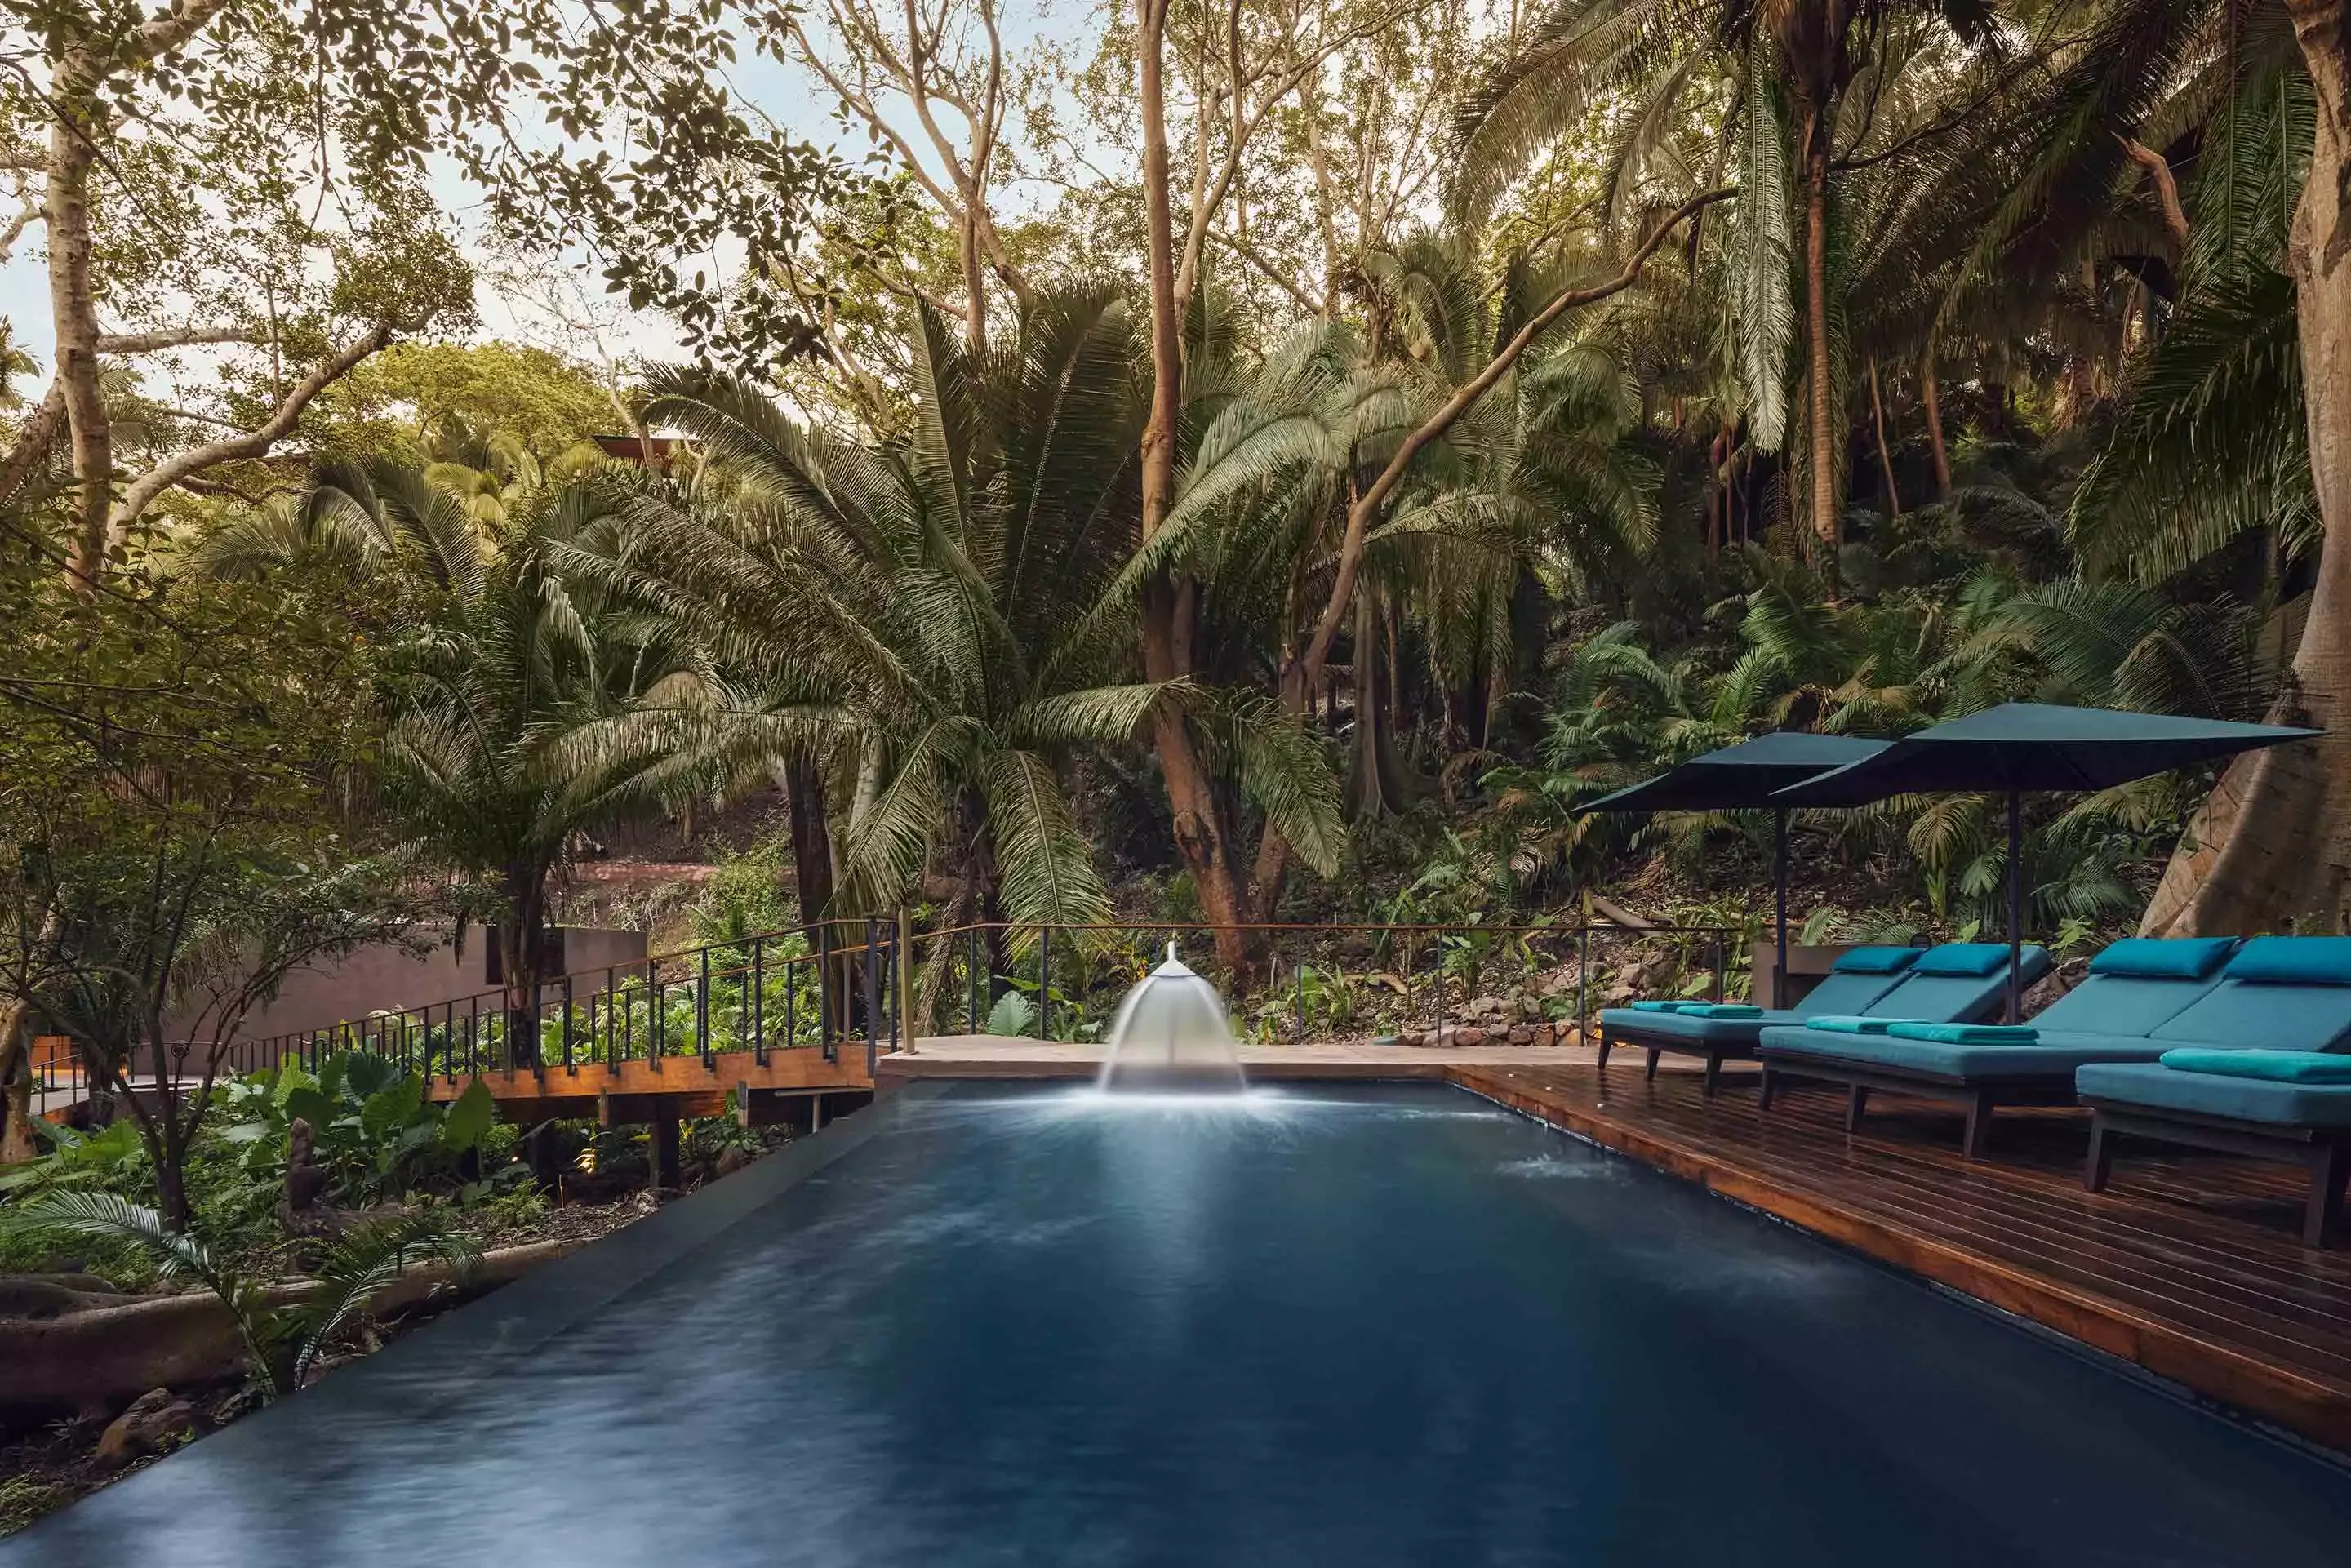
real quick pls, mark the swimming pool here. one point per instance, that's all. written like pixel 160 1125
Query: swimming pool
pixel 1393 1325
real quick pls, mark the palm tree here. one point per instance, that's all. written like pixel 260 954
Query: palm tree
pixel 1816 87
pixel 938 589
pixel 514 651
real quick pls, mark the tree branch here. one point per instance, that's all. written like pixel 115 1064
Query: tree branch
pixel 143 490
pixel 2166 188
pixel 173 337
pixel 34 440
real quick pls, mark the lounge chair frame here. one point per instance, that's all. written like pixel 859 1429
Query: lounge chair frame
pixel 2324 1151
pixel 1715 1052
pixel 1979 1097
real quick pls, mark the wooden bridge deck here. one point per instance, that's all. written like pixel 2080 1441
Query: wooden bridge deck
pixel 2189 1265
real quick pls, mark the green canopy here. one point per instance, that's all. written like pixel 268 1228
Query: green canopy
pixel 2020 747
pixel 1745 777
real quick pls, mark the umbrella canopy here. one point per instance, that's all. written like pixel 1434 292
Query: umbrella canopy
pixel 1744 778
pixel 2031 747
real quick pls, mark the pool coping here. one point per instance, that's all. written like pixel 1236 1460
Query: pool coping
pixel 2303 1410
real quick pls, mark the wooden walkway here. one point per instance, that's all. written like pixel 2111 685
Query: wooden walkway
pixel 2189 1265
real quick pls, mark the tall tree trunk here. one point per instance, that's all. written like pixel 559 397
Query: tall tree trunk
pixel 1930 393
pixel 2273 843
pixel 1884 453
pixel 1201 834
pixel 1377 785
pixel 73 309
pixel 1824 449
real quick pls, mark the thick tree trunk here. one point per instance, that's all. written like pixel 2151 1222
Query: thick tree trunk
pixel 1824 446
pixel 1929 394
pixel 522 957
pixel 17 1144
pixel 2272 846
pixel 73 311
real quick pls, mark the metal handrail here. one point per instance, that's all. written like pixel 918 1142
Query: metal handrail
pixel 730 994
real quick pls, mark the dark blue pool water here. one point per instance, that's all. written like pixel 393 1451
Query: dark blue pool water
pixel 1381 1327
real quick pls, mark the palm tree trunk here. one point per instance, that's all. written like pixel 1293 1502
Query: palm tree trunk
pixel 2273 843
pixel 1377 785
pixel 1823 509
pixel 522 956
pixel 1930 393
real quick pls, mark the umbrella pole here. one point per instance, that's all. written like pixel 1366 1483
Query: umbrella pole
pixel 2015 905
pixel 1780 889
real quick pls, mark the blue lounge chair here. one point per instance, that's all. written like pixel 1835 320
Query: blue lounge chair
pixel 2263 1070
pixel 1858 978
pixel 2136 990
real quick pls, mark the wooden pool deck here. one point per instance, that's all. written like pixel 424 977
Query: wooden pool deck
pixel 2189 1265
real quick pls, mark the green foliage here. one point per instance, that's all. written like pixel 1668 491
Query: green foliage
pixel 282 1342
pixel 1012 1015
pixel 374 1132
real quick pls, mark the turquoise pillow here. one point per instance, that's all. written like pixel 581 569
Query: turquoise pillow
pixel 2299 960
pixel 1660 1006
pixel 1966 1033
pixel 1962 958
pixel 1723 1010
pixel 1847 1024
pixel 2164 958
pixel 1874 960
pixel 2284 1066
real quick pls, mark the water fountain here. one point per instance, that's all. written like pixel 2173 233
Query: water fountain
pixel 1171 1034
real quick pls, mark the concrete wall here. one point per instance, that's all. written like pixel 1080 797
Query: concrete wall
pixel 387 978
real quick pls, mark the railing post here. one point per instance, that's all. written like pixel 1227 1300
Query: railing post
pixel 568 1066
pixel 792 1006
pixel 827 1001
pixel 971 980
pixel 873 989
pixel 1719 975
pixel 656 1017
pixel 1044 982
pixel 759 1000
pixel 1298 961
pixel 1584 981
pixel 902 1027
pixel 702 1010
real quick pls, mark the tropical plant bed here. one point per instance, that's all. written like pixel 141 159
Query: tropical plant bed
pixel 46 1464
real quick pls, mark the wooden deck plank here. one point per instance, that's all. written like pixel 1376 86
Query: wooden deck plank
pixel 2188 1265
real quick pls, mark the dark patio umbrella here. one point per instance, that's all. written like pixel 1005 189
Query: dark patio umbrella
pixel 2018 748
pixel 1743 777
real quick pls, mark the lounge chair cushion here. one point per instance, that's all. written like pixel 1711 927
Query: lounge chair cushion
pixel 1926 995
pixel 2164 958
pixel 1966 1033
pixel 1694 1030
pixel 1874 960
pixel 1840 1024
pixel 2109 1003
pixel 1659 1006
pixel 2155 1087
pixel 1848 990
pixel 2279 1014
pixel 1961 958
pixel 2281 1066
pixel 2295 960
pixel 2053 1056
